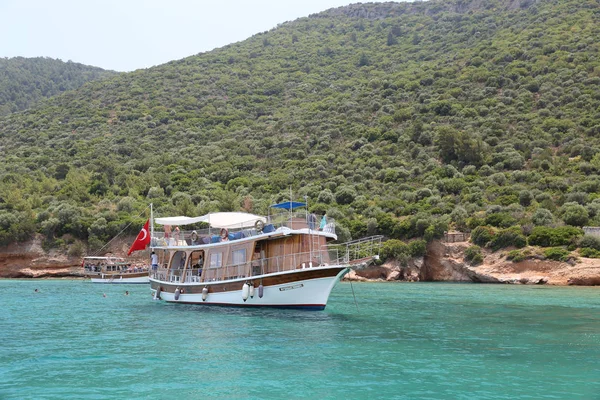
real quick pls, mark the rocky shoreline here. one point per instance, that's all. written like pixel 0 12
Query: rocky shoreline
pixel 442 262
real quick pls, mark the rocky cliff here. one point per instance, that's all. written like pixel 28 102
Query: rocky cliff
pixel 445 262
pixel 30 260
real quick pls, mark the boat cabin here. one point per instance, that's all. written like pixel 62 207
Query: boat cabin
pixel 241 245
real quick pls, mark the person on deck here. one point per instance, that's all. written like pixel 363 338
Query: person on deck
pixel 312 221
pixel 154 261
pixel 323 222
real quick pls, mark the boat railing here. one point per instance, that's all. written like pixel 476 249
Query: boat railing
pixel 289 262
pixel 120 270
pixel 216 235
pixel 360 250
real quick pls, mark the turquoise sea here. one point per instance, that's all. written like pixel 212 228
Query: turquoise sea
pixel 397 341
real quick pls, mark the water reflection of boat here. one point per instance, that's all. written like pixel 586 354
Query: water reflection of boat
pixel 113 270
pixel 248 260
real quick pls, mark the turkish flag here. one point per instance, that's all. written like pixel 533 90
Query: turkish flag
pixel 142 240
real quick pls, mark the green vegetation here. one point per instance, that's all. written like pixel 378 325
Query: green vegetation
pixel 508 237
pixel 589 241
pixel 405 120
pixel 401 251
pixel 482 235
pixel 26 81
pixel 560 236
pixel 516 255
pixel 589 252
pixel 473 255
pixel 556 253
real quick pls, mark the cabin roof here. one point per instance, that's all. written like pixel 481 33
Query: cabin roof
pixel 215 220
pixel 289 205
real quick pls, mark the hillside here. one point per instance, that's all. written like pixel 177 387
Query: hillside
pixel 26 81
pixel 401 119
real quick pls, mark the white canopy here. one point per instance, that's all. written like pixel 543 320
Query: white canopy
pixel 216 220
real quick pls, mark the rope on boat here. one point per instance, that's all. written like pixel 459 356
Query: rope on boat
pixel 355 303
pixel 99 251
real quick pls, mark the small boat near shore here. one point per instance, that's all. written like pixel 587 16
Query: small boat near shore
pixel 113 270
pixel 246 260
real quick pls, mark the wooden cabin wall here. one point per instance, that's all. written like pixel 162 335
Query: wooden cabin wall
pixel 290 252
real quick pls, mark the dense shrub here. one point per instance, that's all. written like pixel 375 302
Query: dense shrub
pixel 516 255
pixel 574 214
pixel 589 241
pixel 459 216
pixel 589 252
pixel 345 195
pixel 417 248
pixel 394 248
pixel 525 198
pixel 542 217
pixel 482 235
pixel 556 253
pixel 500 220
pixel 473 255
pixel 474 222
pixel 508 237
pixel 15 226
pixel 561 236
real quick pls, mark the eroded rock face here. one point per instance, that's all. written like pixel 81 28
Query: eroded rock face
pixel 29 260
pixel 391 271
pixel 445 263
pixel 584 281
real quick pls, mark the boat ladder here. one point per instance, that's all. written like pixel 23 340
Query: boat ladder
pixel 315 251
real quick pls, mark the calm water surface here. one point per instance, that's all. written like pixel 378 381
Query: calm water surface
pixel 398 341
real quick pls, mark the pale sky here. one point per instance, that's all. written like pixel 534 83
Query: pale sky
pixel 125 35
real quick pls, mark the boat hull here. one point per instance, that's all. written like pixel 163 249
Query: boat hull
pixel 121 279
pixel 304 289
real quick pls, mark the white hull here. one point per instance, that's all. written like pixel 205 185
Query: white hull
pixel 128 280
pixel 307 293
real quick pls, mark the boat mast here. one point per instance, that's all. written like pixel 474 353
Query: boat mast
pixel 310 231
pixel 291 204
pixel 151 226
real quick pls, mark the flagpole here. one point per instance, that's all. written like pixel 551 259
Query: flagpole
pixel 151 226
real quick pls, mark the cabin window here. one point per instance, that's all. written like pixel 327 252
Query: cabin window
pixel 216 260
pixel 178 261
pixel 238 256
pixel 197 259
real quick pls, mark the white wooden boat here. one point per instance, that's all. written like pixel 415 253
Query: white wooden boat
pixel 252 261
pixel 113 270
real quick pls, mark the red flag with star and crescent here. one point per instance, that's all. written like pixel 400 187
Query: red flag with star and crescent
pixel 142 240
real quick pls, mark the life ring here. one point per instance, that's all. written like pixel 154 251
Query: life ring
pixel 259 225
pixel 224 233
pixel 194 236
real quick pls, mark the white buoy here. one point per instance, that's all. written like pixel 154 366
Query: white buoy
pixel 252 291
pixel 177 292
pixel 157 294
pixel 245 291
pixel 260 290
pixel 204 293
